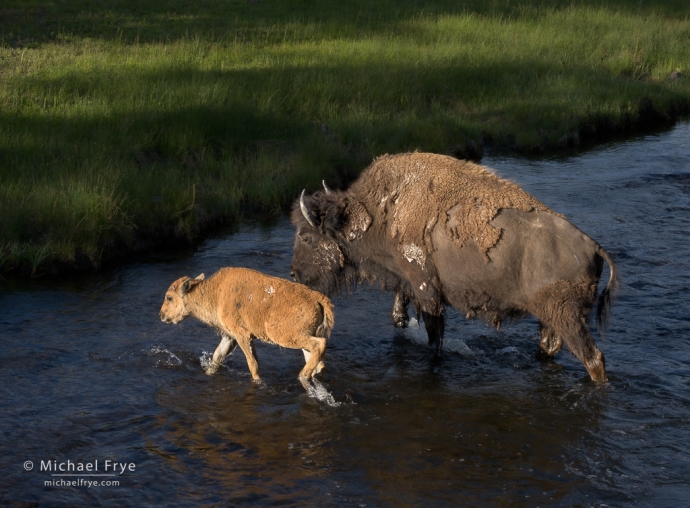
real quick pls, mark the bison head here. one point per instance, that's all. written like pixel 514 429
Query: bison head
pixel 174 307
pixel 327 223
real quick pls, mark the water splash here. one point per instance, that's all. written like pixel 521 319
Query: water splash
pixel 415 333
pixel 318 391
pixel 169 359
pixel 457 346
pixel 205 359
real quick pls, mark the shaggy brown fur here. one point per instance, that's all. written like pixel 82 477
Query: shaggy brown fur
pixel 415 190
pixel 443 232
pixel 562 309
pixel 244 304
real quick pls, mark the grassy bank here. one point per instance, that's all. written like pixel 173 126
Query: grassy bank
pixel 122 123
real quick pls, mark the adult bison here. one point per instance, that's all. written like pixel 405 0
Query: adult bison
pixel 439 231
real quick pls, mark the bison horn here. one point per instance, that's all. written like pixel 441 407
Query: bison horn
pixel 326 187
pixel 306 212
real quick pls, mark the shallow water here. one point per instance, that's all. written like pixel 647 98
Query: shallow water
pixel 88 372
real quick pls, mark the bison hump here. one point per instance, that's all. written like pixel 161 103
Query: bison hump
pixel 416 190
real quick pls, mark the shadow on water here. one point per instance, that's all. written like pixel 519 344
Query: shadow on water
pixel 88 372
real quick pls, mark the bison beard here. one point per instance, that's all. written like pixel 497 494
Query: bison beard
pixel 438 231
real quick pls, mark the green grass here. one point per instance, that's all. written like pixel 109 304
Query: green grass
pixel 121 122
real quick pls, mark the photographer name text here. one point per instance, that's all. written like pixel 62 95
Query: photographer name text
pixel 106 466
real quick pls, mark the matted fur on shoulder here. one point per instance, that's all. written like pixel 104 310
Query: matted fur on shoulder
pixel 413 191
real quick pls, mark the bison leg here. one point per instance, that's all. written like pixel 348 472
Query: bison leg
pixel 316 346
pixel 247 346
pixel 435 326
pixel 550 343
pixel 319 367
pixel 582 345
pixel 227 345
pixel 563 307
pixel 399 313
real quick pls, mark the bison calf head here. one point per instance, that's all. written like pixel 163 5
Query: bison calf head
pixel 174 307
pixel 327 223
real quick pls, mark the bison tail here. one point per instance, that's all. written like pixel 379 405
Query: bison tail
pixel 324 329
pixel 608 294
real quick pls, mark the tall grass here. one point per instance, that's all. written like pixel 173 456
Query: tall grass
pixel 120 121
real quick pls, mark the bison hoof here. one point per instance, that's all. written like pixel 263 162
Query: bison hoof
pixel 212 368
pixel 597 373
pixel 306 382
pixel 597 368
pixel 550 344
pixel 400 321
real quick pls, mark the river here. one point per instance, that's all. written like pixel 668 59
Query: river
pixel 88 373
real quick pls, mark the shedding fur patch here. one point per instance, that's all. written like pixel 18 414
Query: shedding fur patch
pixel 358 221
pixel 413 252
pixel 413 191
pixel 329 256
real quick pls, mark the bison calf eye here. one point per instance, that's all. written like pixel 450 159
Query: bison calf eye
pixel 169 298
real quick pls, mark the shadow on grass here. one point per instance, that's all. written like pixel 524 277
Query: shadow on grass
pixel 184 159
pixel 29 23
pixel 377 107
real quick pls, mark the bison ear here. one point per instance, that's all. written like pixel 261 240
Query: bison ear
pixel 357 221
pixel 200 277
pixel 189 284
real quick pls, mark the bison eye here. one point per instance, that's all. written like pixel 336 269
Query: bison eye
pixel 169 298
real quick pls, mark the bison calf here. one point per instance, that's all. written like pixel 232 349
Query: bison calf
pixel 244 304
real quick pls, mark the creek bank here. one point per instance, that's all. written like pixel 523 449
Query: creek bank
pixel 156 244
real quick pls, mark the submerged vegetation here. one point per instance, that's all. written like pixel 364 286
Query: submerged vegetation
pixel 122 122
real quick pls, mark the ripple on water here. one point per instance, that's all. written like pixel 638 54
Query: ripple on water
pixel 89 372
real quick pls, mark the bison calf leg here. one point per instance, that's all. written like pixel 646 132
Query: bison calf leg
pixel 316 347
pixel 399 314
pixel 319 367
pixel 247 346
pixel 550 343
pixel 227 345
